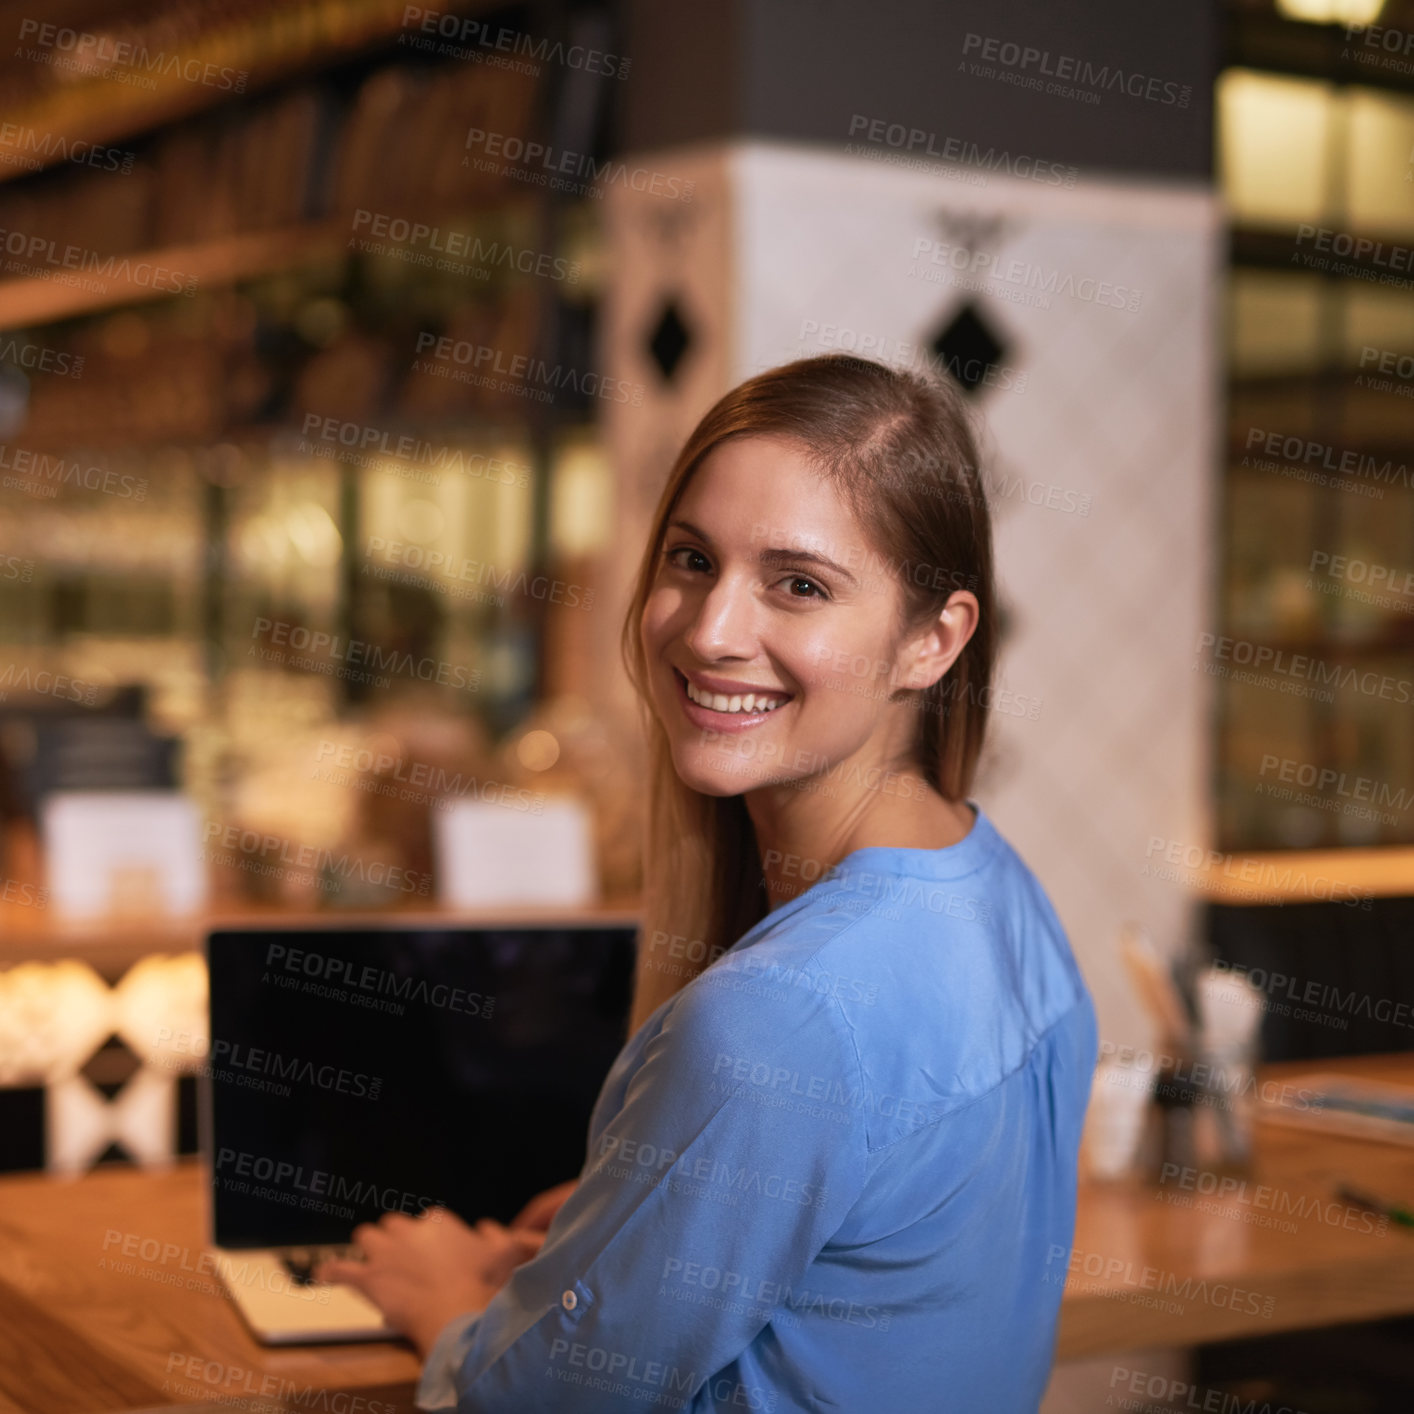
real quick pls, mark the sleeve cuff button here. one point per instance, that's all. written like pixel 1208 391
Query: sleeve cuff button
pixel 569 1301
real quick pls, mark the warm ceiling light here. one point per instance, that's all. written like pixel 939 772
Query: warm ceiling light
pixel 1331 12
pixel 538 751
pixel 314 535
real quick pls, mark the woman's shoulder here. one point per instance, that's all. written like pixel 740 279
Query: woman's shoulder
pixel 775 992
pixel 802 995
pixel 816 950
pixel 951 917
pixel 956 978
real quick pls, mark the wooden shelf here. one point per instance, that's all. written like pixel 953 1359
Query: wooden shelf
pixel 1272 248
pixel 289 38
pixel 1396 452
pixel 33 301
pixel 1395 639
pixel 112 945
pixel 1264 40
pixel 1308 876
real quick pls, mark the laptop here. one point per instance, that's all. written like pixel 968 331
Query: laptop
pixel 386 1067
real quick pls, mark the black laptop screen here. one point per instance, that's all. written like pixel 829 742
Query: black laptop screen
pixel 357 1072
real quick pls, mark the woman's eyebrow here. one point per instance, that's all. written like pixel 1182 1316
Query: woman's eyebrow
pixel 773 555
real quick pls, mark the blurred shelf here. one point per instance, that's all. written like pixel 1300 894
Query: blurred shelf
pixel 1309 383
pixel 30 302
pixel 1395 641
pixel 1260 463
pixel 265 43
pixel 1275 248
pixel 1392 452
pixel 1309 876
pixel 1258 40
pixel 112 945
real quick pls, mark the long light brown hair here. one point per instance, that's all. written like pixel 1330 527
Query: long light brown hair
pixel 900 449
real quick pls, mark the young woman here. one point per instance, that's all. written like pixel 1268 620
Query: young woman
pixel 833 1164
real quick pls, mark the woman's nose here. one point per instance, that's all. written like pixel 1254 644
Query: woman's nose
pixel 724 624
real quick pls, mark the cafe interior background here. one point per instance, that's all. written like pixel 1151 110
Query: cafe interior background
pixel 341 360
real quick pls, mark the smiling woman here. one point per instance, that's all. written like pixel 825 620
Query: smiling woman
pixel 823 539
pixel 846 1121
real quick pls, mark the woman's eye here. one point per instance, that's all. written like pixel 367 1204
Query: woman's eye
pixel 802 588
pixel 685 557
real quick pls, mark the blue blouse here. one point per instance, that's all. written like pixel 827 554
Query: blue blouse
pixel 828 1174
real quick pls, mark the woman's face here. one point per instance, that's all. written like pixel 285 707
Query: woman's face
pixel 772 630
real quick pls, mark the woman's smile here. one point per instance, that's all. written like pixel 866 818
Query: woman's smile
pixel 719 704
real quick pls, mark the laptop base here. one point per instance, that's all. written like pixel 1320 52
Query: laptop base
pixel 280 1310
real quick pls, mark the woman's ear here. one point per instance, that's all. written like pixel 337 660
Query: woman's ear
pixel 924 658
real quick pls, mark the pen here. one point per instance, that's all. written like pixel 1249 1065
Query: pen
pixel 1393 1211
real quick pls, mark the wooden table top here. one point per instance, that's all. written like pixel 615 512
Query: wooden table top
pixel 1279 1253
pixel 84 1327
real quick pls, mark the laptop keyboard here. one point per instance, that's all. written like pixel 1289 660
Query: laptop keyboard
pixel 300 1262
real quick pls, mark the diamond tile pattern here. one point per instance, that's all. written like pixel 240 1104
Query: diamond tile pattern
pixel 104 1060
pixel 111 1066
pixel 669 341
pixel 967 348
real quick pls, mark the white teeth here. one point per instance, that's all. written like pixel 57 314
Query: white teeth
pixel 719 702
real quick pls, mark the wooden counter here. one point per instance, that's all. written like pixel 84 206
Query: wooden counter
pixel 84 1327
pixel 1148 1271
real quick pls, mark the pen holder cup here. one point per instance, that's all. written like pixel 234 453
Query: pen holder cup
pixel 1223 1083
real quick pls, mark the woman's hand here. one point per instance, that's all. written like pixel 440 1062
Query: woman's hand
pixel 421 1272
pixel 539 1213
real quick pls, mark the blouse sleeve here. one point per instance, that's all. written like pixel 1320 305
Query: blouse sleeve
pixel 437 1389
pixel 728 1154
